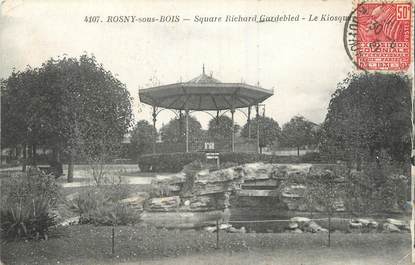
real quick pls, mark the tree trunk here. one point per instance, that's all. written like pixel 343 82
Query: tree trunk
pixel 298 151
pixel 24 158
pixel 260 149
pixel 34 162
pixel 70 169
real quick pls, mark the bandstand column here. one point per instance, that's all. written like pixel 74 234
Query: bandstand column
pixel 233 129
pixel 187 131
pixel 257 128
pixel 249 122
pixel 155 130
pixel 180 124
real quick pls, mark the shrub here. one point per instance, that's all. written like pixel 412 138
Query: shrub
pixel 26 203
pixel 101 205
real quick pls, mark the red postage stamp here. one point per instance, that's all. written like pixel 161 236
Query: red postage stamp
pixel 384 36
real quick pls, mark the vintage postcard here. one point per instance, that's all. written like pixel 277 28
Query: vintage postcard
pixel 214 132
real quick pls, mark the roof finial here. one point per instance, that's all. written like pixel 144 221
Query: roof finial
pixel 203 69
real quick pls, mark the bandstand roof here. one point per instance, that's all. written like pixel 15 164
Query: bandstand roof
pixel 204 93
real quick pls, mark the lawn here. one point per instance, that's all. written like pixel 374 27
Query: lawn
pixel 86 244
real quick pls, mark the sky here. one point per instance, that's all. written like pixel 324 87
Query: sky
pixel 301 60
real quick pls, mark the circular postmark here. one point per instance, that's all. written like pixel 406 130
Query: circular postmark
pixel 350 35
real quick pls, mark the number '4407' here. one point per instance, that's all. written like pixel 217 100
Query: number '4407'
pixel 92 19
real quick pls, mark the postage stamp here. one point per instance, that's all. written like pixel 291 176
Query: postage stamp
pixel 383 37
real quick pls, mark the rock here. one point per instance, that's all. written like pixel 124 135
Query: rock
pixel 72 196
pixel 292 225
pixel 391 228
pixel 291 171
pixel 70 221
pixel 370 223
pixel 301 220
pixel 270 231
pixel 398 223
pixel 257 193
pixel 224 226
pixel 210 228
pixel 235 230
pixel 177 178
pixel 293 197
pixel 216 187
pixel 313 227
pixel 297 231
pixel 355 224
pixel 137 201
pixel 271 183
pixel 293 191
pixel 163 204
pixel 257 171
pixel 223 175
pixel 203 203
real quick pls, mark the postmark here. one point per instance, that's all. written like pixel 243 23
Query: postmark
pixel 377 36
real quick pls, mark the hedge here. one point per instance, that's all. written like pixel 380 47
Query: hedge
pixel 174 162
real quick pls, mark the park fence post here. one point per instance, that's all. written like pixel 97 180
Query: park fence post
pixel 329 227
pixel 113 240
pixel 217 234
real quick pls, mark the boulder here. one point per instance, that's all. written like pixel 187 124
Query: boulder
pixel 356 224
pixel 292 225
pixel 70 221
pixel 236 230
pixel 257 193
pixel 136 201
pixel 390 228
pixel 300 220
pixel 216 187
pixel 290 171
pixel 370 223
pixel 163 204
pixel 293 191
pixel 297 231
pixel 313 227
pixel 223 175
pixel 226 227
pixel 398 223
pixel 177 178
pixel 203 203
pixel 257 171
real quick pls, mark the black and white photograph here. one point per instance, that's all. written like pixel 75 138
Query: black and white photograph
pixel 207 132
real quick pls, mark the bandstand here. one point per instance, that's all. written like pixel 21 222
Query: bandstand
pixel 207 94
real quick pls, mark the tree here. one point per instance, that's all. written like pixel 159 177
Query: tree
pixel 269 131
pixel 175 130
pixel 369 114
pixel 141 138
pixel 220 128
pixel 298 132
pixel 72 106
pixel 324 191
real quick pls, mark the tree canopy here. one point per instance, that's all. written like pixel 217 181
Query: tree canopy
pixel 269 130
pixel 175 130
pixel 141 138
pixel 71 105
pixel 369 114
pixel 220 128
pixel 299 132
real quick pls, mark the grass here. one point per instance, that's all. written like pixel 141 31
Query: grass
pixel 86 244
